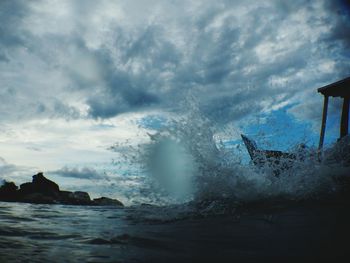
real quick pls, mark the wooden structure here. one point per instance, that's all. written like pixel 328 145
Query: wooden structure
pixel 337 89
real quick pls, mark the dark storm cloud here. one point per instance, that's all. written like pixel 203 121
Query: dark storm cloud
pixel 227 52
pixel 126 91
pixel 236 58
pixel 341 27
pixel 11 13
pixel 82 173
pixel 26 67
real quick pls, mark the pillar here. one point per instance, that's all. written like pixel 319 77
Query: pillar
pixel 324 120
pixel 344 123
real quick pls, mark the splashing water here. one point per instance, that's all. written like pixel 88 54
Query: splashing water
pixel 173 167
pixel 191 163
pixel 187 160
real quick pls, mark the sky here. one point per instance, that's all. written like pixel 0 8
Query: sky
pixel 79 76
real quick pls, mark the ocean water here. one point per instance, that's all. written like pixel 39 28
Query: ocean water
pixel 191 198
pixel 302 232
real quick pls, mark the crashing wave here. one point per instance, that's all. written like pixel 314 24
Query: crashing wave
pixel 187 160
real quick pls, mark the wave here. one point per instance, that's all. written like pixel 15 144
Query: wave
pixel 187 161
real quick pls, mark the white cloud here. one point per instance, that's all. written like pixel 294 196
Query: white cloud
pixel 74 74
pixel 50 144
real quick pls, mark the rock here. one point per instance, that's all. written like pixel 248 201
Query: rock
pixel 44 191
pixel 8 191
pixel 27 188
pixel 66 197
pixel 8 187
pixel 44 184
pixel 105 201
pixel 39 198
pixel 74 198
pixel 40 184
pixel 82 198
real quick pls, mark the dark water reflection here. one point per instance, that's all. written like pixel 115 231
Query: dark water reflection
pixel 57 233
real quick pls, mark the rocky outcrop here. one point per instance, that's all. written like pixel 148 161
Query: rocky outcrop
pixel 82 197
pixel 44 191
pixel 8 191
pixel 44 184
pixel 40 185
pixel 105 201
pixel 37 198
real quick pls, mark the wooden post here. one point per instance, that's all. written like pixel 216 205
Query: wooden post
pixel 344 124
pixel 324 120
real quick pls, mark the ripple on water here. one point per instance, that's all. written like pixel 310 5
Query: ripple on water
pixel 8 231
pixel 126 239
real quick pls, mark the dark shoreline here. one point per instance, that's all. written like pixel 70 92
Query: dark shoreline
pixel 44 191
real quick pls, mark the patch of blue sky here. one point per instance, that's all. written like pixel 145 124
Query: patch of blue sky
pixel 102 126
pixel 279 130
pixel 153 122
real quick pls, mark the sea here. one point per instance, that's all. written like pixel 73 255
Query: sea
pixel 192 198
pixel 299 232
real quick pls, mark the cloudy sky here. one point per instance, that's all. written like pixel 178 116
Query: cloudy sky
pixel 77 76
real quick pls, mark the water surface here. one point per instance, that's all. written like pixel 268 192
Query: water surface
pixel 185 233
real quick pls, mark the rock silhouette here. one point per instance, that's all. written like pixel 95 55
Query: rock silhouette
pixel 44 191
pixel 8 191
pixel 107 201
